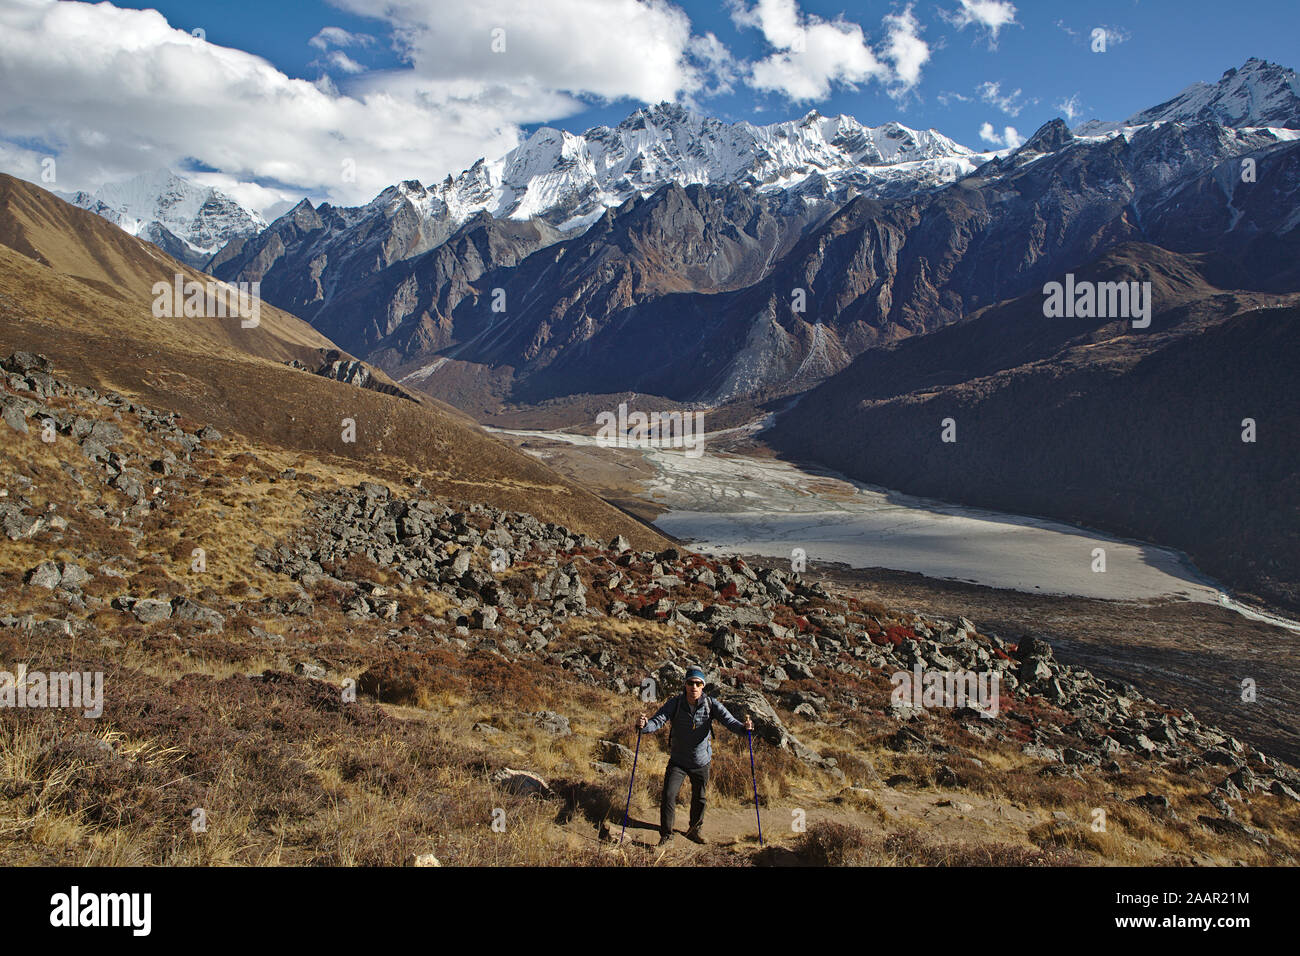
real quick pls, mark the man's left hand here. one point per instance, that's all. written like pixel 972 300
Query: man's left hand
pixel 749 723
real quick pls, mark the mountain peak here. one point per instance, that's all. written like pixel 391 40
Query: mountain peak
pixel 161 202
pixel 1258 93
pixel 1050 137
pixel 569 179
pixel 660 114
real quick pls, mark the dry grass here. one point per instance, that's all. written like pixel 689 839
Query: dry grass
pixel 289 772
pixel 842 844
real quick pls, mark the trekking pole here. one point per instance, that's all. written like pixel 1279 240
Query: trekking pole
pixel 754 775
pixel 629 786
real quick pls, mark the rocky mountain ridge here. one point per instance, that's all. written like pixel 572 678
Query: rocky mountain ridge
pixel 1259 94
pixel 698 283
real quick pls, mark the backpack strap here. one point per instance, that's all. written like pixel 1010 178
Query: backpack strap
pixel 681 698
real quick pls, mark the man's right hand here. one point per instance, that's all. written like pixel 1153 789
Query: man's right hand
pixel 641 722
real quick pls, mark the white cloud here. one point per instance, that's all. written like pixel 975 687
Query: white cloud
pixel 1009 103
pixel 338 60
pixel 271 202
pixel 1007 138
pixel 813 55
pixel 337 36
pixel 948 96
pixel 28 164
pixel 1071 108
pixel 717 64
pixel 905 48
pixel 115 92
pixel 606 48
pixel 992 15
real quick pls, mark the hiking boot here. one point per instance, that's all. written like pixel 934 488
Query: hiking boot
pixel 694 835
pixel 665 839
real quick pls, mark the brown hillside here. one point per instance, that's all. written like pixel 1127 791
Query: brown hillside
pixel 77 288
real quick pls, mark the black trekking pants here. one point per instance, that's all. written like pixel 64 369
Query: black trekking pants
pixel 672 786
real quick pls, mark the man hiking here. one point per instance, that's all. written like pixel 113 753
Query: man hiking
pixel 690 716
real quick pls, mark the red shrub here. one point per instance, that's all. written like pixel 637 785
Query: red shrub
pixel 897 634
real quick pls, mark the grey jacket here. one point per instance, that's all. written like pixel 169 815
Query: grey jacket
pixel 692 731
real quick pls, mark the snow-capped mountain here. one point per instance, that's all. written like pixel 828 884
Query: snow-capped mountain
pixel 1259 94
pixel 660 254
pixel 569 179
pixel 556 184
pixel 188 221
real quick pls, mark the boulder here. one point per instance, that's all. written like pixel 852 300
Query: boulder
pixel 186 610
pixel 44 575
pixel 521 783
pixel 669 677
pixel 725 642
pixel 798 669
pixel 106 433
pixel 94 450
pixel 22 363
pixel 371 490
pixel 14 418
pixel 151 610
pixel 460 563
pixel 17 524
pixel 767 724
pixel 616 753
pixel 552 722
pixel 1278 788
pixel 484 618
pixel 73 575
pixel 310 670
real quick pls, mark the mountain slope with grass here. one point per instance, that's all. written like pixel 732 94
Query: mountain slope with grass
pixel 76 288
pixel 302 664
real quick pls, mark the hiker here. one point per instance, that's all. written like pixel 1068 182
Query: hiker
pixel 690 716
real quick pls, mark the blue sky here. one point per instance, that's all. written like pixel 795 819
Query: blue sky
pixel 407 89
pixel 1164 47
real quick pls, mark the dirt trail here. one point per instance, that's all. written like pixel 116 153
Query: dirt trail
pixel 946 817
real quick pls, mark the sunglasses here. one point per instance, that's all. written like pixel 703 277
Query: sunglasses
pixel 695 683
